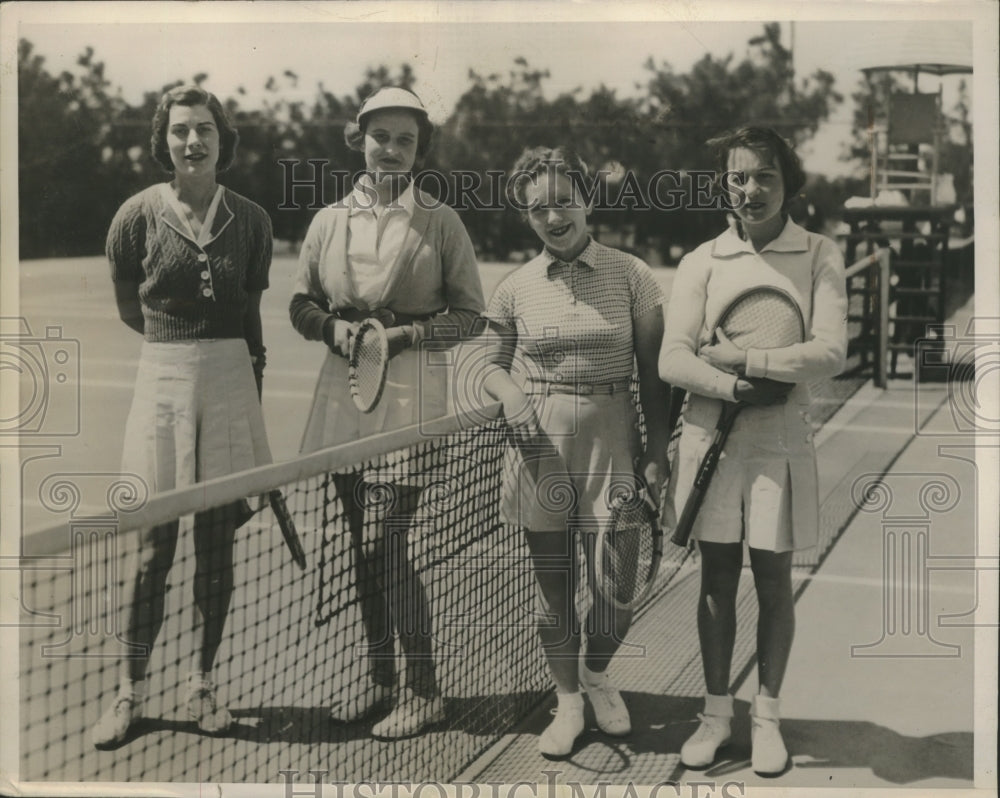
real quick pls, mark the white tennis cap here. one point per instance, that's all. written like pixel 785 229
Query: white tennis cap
pixel 391 97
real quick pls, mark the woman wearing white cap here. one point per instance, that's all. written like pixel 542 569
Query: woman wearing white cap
pixel 386 250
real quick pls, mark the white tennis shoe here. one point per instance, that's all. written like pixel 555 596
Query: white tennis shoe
pixel 204 709
pixel 768 755
pixel 609 706
pixel 357 706
pixel 712 733
pixel 112 728
pixel 560 735
pixel 410 716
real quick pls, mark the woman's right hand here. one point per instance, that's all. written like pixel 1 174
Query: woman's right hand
pixel 337 335
pixel 519 413
pixel 760 391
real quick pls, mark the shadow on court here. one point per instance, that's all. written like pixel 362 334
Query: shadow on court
pixel 297 724
pixel 889 755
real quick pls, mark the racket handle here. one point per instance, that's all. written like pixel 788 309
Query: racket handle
pixel 693 504
pixel 677 396
pixel 288 531
pixel 704 476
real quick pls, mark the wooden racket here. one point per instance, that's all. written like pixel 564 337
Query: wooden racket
pixel 629 549
pixel 278 507
pixel 765 317
pixel 368 364
pixel 287 525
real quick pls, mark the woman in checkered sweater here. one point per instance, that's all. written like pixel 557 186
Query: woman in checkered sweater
pixel 575 322
pixel 189 260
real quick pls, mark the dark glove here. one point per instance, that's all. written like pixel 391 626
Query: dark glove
pixel 399 339
pixel 761 391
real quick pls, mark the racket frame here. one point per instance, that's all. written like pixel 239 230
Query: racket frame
pixel 370 326
pixel 651 515
pixel 287 525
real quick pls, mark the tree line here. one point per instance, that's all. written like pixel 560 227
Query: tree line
pixel 83 149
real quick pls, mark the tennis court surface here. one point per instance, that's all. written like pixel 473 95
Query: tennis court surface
pixel 293 638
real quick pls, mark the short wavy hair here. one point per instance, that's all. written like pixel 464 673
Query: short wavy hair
pixel 537 161
pixel 191 96
pixel 763 140
pixel 354 133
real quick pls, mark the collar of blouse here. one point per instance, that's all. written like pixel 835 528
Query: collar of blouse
pixel 791 239
pixel 586 258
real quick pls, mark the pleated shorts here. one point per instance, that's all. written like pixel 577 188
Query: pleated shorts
pixel 567 474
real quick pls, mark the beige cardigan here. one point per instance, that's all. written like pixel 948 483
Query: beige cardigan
pixel 436 273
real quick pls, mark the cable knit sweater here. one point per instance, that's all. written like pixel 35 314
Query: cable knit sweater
pixel 189 290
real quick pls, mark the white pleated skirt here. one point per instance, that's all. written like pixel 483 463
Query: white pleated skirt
pixel 765 489
pixel 195 414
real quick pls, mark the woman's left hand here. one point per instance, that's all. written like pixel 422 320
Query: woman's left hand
pixel 724 354
pixel 654 470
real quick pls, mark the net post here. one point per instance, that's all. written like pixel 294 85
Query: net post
pixel 884 263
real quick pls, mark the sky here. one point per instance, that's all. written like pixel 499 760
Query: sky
pixel 241 45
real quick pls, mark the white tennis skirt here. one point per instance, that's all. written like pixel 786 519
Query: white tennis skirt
pixel 765 488
pixel 195 414
pixel 415 392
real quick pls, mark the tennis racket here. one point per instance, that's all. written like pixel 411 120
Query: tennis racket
pixel 629 549
pixel 368 364
pixel 764 317
pixel 288 530
pixel 278 507
pixel 276 500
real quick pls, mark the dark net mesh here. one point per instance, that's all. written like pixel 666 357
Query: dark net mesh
pixel 412 578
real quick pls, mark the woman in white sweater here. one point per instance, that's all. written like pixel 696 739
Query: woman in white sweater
pixel 764 492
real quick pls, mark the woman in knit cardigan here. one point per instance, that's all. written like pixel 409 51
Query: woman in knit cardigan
pixel 391 251
pixel 189 260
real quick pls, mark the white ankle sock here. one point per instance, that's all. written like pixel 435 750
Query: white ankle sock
pixel 133 687
pixel 570 700
pixel 719 705
pixel 765 706
pixel 200 678
pixel 591 677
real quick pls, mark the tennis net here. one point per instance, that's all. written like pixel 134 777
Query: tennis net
pixel 294 642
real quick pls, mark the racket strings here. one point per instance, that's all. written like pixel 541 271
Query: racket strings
pixel 767 321
pixel 627 555
pixel 367 362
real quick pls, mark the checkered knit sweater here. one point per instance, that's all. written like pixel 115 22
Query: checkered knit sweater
pixel 189 290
